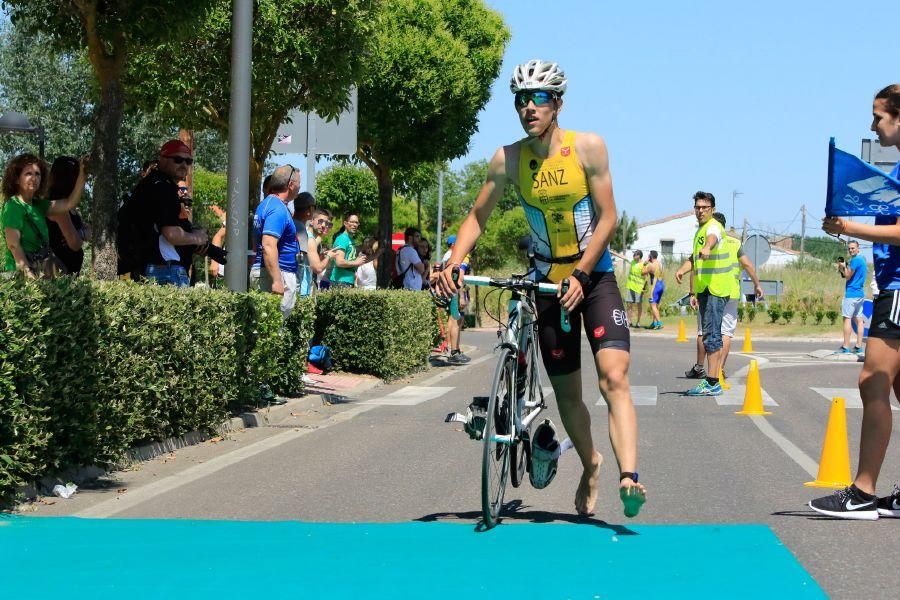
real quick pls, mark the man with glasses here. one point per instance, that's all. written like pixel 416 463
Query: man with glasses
pixel 564 185
pixel 275 267
pixel 346 260
pixel 158 220
pixel 711 286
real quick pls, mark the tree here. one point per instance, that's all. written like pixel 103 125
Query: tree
pixel 422 88
pixel 306 54
pixel 111 30
pixel 344 187
pixel 626 233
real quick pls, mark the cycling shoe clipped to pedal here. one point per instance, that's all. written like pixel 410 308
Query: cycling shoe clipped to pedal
pixel 545 451
pixel 475 418
pixel 544 455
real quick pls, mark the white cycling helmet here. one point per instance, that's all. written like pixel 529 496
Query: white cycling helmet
pixel 538 75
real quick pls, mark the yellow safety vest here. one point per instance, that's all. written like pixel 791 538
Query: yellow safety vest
pixel 732 245
pixel 715 273
pixel 635 278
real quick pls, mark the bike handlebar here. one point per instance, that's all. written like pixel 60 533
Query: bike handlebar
pixel 511 283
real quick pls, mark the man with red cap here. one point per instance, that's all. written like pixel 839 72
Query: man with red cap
pixel 158 224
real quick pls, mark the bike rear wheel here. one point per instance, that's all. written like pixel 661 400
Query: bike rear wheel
pixel 495 461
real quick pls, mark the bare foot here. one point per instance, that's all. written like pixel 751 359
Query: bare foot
pixel 633 496
pixel 586 495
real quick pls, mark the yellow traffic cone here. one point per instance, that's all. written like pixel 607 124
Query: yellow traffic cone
pixel 753 404
pixel 748 343
pixel 834 466
pixel 725 385
pixel 681 336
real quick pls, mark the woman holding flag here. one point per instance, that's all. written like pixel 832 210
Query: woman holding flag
pixel 882 365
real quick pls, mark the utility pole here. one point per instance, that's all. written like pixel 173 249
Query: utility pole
pixel 744 232
pixel 734 194
pixel 440 209
pixel 802 231
pixel 239 143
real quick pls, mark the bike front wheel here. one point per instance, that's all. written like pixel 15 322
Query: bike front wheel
pixel 499 431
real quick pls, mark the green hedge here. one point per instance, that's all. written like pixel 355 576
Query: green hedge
pixel 90 369
pixel 384 333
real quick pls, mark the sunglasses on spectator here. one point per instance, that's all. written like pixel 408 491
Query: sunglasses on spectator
pixel 181 159
pixel 325 223
pixel 539 98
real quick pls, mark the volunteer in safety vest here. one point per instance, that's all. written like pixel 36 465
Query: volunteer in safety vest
pixel 637 282
pixel 564 185
pixel 712 283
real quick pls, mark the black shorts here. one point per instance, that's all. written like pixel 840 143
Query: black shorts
pixel 886 316
pixel 605 323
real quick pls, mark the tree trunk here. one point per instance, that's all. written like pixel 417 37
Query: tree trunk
pixel 385 224
pixel 105 165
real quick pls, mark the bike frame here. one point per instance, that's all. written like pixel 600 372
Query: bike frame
pixel 519 336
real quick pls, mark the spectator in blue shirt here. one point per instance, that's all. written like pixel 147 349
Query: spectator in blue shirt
pixel 854 296
pixel 275 236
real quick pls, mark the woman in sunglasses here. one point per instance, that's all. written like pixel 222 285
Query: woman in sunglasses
pixel 564 185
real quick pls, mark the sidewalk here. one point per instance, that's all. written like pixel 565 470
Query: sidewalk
pixel 325 390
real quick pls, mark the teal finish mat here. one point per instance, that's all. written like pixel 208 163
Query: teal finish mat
pixel 70 558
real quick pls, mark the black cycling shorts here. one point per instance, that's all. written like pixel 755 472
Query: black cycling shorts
pixel 886 316
pixel 605 323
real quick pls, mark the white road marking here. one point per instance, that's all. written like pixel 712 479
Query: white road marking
pixel 409 395
pixel 850 395
pixel 735 396
pixel 795 453
pixel 134 497
pixel 641 395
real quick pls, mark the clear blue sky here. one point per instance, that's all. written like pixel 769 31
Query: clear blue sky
pixel 707 95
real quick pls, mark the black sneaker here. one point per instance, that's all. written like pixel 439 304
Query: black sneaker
pixel 458 358
pixel 696 372
pixel 889 506
pixel 846 504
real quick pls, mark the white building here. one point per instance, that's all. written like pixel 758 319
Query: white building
pixel 673 238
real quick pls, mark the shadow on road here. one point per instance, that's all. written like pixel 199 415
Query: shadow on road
pixel 810 515
pixel 515 511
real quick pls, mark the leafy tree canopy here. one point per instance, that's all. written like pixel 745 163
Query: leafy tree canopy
pixel 306 54
pixel 343 187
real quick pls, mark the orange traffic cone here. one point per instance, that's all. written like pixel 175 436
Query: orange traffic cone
pixel 681 336
pixel 834 466
pixel 748 343
pixel 725 385
pixel 753 403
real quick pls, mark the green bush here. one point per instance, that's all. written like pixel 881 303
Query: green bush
pixel 740 313
pixel 774 312
pixel 804 316
pixel 832 316
pixel 385 333
pixel 90 369
pixel 787 314
pixel 751 312
pixel 819 314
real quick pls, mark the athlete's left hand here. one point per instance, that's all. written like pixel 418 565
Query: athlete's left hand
pixel 573 297
pixel 833 225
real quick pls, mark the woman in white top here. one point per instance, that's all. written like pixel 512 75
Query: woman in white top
pixel 367 273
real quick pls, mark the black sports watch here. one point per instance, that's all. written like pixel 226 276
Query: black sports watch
pixel 628 475
pixel 583 278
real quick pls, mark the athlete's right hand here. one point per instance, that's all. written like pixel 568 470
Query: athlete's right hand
pixel 695 304
pixel 678 277
pixel 446 287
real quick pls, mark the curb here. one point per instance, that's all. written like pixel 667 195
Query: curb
pixel 262 417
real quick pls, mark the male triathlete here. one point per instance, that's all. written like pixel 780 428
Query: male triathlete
pixel 657 287
pixel 564 185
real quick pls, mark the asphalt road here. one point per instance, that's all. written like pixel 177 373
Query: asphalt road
pixel 388 456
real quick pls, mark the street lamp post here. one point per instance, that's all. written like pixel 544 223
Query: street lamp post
pixel 16 122
pixel 734 194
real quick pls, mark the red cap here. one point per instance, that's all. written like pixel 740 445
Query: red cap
pixel 173 147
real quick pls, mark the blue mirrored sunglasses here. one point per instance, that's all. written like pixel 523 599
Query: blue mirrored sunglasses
pixel 539 97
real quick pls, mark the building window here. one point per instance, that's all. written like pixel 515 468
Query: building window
pixel 667 247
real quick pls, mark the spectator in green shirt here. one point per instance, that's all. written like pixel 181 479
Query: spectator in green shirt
pixel 346 260
pixel 24 213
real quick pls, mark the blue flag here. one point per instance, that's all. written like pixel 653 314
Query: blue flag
pixel 857 189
